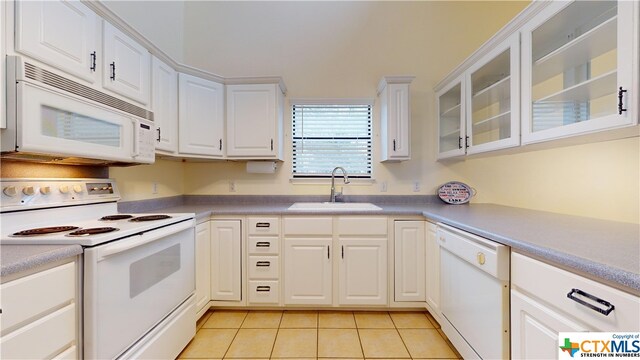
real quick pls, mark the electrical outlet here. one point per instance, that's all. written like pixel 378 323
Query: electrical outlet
pixel 232 186
pixel 154 188
pixel 383 186
pixel 416 186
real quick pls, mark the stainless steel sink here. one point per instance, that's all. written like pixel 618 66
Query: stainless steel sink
pixel 329 206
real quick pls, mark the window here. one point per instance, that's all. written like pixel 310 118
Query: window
pixel 330 135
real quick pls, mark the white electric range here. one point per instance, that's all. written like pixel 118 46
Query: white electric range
pixel 138 269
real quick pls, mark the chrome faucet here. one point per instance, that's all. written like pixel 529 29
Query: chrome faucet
pixel 333 182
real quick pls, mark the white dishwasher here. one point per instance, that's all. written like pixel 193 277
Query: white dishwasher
pixel 474 289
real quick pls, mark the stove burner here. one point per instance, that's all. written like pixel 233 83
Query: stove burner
pixel 115 217
pixel 150 218
pixel 92 231
pixel 45 230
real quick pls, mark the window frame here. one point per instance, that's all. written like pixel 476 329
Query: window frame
pixel 332 101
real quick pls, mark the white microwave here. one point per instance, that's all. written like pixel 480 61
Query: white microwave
pixel 52 118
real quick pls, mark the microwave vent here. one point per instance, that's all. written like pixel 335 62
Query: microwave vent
pixel 46 77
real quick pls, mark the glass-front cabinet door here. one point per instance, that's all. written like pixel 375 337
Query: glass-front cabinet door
pixel 492 114
pixel 451 120
pixel 577 69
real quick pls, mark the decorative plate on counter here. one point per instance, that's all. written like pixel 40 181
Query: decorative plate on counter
pixel 455 192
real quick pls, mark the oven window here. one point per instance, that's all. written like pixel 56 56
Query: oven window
pixel 71 126
pixel 149 271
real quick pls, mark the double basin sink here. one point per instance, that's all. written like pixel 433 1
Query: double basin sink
pixel 333 206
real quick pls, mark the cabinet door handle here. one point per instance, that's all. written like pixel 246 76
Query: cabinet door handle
pixel 263 244
pixel 263 263
pixel 93 62
pixel 328 252
pixel 394 144
pixel 220 144
pixel 620 104
pixel 263 225
pixel 609 307
pixel 271 144
pixel 460 142
pixel 263 288
pixel 466 141
pixel 343 251
pixel 158 129
pixel 113 70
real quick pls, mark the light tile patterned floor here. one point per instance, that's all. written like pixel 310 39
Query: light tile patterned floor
pixel 231 334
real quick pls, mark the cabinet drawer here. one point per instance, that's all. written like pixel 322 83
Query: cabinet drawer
pixel 264 292
pixel 263 226
pixel 36 294
pixel 551 284
pixel 264 245
pixel 308 226
pixel 362 225
pixel 264 267
pixel 40 339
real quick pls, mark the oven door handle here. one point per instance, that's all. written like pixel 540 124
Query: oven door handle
pixel 142 239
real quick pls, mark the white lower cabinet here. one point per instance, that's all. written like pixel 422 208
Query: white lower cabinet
pixel 307 271
pixel 542 309
pixel 39 316
pixel 226 260
pixel 363 272
pixel 409 250
pixel 203 267
pixel 432 269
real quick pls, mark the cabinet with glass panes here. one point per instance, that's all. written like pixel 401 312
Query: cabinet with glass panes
pixel 492 120
pixel 479 111
pixel 451 120
pixel 577 69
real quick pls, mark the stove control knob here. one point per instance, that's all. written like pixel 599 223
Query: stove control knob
pixel 28 190
pixel 10 191
pixel 45 190
pixel 64 189
pixel 77 188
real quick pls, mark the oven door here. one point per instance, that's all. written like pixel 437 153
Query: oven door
pixel 131 284
pixel 58 124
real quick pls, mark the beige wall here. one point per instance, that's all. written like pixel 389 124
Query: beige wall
pixel 341 49
pixel 137 182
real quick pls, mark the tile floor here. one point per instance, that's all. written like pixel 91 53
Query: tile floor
pixel 231 334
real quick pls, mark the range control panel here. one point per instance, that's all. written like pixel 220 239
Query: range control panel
pixel 21 194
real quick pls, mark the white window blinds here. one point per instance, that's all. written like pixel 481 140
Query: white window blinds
pixel 326 136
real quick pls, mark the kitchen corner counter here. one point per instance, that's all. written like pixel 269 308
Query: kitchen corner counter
pixel 606 251
pixel 19 258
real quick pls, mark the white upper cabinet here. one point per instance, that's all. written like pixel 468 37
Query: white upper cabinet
pixel 493 93
pixel 201 117
pixel 62 34
pixel 164 104
pixel 395 117
pixel 126 66
pixel 450 110
pixel 255 121
pixel 578 72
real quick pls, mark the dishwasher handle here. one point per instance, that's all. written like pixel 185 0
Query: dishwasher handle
pixel 609 306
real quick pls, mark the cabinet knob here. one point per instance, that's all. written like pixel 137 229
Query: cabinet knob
pixel 481 258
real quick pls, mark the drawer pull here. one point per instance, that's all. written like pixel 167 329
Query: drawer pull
pixel 263 263
pixel 263 288
pixel 263 225
pixel 605 312
pixel 263 244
